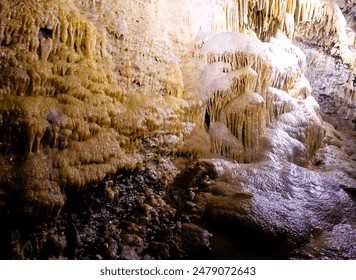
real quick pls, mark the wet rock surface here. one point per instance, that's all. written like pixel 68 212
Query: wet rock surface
pixel 339 243
pixel 270 209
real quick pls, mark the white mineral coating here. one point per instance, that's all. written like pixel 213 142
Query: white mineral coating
pixel 251 90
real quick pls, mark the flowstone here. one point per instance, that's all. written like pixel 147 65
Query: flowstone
pixel 259 106
pixel 64 120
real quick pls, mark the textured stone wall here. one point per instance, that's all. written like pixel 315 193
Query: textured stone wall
pixel 82 83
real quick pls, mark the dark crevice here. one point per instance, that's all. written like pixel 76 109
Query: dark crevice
pixel 45 33
pixel 207 119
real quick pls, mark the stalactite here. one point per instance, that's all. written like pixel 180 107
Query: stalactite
pixel 250 87
pixel 244 117
pixel 266 17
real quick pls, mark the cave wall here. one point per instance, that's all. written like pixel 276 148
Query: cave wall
pixel 83 82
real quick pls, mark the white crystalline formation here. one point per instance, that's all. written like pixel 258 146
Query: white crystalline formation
pixel 249 88
pixel 257 96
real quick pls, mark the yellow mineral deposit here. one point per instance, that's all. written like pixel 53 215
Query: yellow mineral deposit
pixel 63 116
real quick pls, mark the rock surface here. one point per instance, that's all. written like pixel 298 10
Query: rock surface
pixel 272 207
pixel 135 129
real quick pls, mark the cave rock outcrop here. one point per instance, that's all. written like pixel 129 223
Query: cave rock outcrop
pixel 84 83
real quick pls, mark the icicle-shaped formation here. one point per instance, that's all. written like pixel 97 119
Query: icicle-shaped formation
pixel 59 38
pixel 278 103
pixel 224 143
pixel 329 29
pixel 244 118
pixel 234 81
pixel 252 90
pixel 226 87
pixel 265 17
pixel 60 60
pixel 238 129
pixel 240 50
pixel 320 21
pixel 286 68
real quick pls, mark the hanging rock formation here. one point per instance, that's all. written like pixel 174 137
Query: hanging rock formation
pixel 252 93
